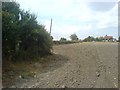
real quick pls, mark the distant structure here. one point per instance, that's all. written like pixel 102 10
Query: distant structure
pixel 108 38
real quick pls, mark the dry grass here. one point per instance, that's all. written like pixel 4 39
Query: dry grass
pixel 14 71
pixel 22 69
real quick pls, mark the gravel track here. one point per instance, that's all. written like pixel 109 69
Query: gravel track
pixel 87 65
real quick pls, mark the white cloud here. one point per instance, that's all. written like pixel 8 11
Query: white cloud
pixel 63 12
pixel 108 19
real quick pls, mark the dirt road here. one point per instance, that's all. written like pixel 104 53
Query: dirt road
pixel 85 65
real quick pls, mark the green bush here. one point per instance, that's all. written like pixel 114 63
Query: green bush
pixel 65 42
pixel 22 36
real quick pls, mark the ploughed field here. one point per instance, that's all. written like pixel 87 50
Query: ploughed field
pixel 79 65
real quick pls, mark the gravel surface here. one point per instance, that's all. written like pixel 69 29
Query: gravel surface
pixel 86 65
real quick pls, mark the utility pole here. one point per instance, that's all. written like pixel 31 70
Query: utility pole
pixel 50 26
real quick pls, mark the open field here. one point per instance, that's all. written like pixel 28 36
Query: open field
pixel 79 65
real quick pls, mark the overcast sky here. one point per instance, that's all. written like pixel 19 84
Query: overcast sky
pixel 76 16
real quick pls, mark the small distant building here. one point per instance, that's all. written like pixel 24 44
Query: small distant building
pixel 108 38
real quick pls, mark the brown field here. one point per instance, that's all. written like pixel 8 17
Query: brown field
pixel 79 65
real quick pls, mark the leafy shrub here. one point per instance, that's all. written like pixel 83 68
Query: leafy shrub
pixel 22 37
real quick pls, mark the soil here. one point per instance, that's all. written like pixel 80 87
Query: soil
pixel 79 65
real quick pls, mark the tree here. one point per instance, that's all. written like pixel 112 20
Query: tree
pixel 10 27
pixel 119 39
pixel 73 37
pixel 22 35
pixel 89 39
pixel 63 39
pixel 99 39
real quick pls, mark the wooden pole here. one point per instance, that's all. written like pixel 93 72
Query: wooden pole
pixel 50 26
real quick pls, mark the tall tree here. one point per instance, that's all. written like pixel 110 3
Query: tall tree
pixel 22 35
pixel 63 39
pixel 89 39
pixel 119 39
pixel 10 20
pixel 73 37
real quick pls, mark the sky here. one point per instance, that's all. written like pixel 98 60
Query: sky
pixel 82 17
